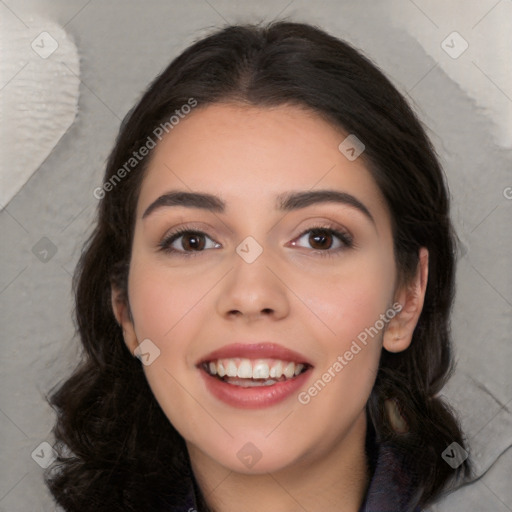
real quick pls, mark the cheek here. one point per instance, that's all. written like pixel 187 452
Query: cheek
pixel 351 300
pixel 161 301
pixel 351 305
pixel 164 307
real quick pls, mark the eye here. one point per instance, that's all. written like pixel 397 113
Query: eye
pixel 192 242
pixel 324 239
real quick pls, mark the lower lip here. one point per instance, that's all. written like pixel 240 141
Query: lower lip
pixel 255 397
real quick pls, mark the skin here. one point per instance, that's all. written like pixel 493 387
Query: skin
pixel 312 456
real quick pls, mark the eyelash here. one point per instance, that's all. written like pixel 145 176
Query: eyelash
pixel 343 236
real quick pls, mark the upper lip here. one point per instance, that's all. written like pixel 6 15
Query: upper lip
pixel 258 350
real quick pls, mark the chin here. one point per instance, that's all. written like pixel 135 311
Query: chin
pixel 252 457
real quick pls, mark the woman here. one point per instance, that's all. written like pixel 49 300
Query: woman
pixel 264 302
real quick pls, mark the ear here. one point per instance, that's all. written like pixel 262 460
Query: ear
pixel 123 316
pixel 398 335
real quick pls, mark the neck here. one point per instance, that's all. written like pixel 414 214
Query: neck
pixel 335 480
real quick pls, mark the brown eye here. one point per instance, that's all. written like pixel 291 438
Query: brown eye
pixel 192 242
pixel 326 240
pixel 320 239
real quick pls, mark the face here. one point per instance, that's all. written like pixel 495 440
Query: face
pixel 259 281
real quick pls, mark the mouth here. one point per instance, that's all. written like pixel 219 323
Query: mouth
pixel 253 375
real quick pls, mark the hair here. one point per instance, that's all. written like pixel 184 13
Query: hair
pixel 117 450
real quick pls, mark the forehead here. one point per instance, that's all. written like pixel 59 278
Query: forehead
pixel 248 155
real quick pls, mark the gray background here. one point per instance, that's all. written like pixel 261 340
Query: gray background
pixel 122 46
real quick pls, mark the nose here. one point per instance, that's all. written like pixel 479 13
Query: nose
pixel 253 291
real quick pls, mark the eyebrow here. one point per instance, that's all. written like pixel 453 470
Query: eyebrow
pixel 285 202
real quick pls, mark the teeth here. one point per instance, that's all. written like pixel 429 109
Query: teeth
pixel 250 383
pixel 298 368
pixel 260 371
pixel 245 369
pixel 277 370
pixel 231 369
pixel 257 369
pixel 289 371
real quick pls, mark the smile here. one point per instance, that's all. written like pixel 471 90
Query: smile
pixel 253 375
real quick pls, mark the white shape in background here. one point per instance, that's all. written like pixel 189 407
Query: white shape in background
pixel 486 26
pixel 39 88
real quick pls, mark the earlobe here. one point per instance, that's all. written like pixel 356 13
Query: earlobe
pixel 121 310
pixel 398 335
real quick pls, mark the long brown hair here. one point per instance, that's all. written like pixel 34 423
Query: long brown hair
pixel 118 450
